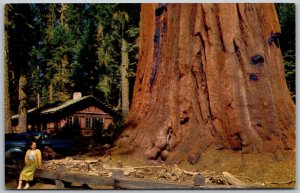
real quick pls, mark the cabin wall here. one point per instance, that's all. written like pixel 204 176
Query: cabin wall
pixel 90 114
pixel 85 119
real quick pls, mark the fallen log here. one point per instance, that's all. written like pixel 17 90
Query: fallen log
pixel 233 180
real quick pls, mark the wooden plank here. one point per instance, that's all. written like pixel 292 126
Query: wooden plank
pixel 224 187
pixel 46 174
pixel 86 179
pixel 120 182
pixel 66 176
pixel 59 184
pixel 147 184
pixel 118 173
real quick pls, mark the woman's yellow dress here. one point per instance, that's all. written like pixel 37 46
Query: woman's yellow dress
pixel 31 163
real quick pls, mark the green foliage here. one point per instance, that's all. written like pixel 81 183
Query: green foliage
pixel 286 14
pixel 19 27
pixel 70 47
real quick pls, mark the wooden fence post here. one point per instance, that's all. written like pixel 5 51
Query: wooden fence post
pixel 199 180
pixel 118 173
pixel 59 184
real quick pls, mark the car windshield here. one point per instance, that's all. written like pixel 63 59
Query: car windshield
pixel 22 137
pixel 39 136
pixel 32 136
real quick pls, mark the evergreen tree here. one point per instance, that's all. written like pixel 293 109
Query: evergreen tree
pixel 45 17
pixel 72 47
pixel 7 72
pixel 20 43
pixel 286 14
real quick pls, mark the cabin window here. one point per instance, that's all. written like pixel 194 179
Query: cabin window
pixel 76 121
pixel 88 122
pixel 51 125
pixel 70 120
pixel 94 121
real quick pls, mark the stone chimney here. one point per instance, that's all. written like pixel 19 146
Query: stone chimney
pixel 77 95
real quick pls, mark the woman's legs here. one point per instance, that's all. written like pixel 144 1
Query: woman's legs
pixel 27 185
pixel 20 184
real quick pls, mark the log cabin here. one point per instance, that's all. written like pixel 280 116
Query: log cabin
pixel 83 113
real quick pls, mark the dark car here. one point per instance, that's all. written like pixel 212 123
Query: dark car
pixel 17 145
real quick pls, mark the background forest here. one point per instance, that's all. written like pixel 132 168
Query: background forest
pixel 53 50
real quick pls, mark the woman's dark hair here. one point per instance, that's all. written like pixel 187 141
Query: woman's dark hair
pixel 30 143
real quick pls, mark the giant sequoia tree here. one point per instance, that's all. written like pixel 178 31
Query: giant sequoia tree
pixel 209 75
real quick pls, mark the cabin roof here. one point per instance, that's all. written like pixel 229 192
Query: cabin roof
pixel 68 107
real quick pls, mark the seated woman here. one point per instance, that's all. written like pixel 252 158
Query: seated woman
pixel 33 160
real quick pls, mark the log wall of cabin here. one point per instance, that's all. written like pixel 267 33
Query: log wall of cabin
pixel 90 112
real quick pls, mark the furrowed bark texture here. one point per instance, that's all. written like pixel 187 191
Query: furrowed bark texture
pixel 7 77
pixel 208 75
pixel 22 125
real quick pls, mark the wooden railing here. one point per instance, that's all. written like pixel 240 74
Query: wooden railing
pixel 117 181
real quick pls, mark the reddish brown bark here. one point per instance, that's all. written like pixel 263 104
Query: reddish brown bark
pixel 207 73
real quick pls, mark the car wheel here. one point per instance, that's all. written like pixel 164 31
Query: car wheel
pixel 14 157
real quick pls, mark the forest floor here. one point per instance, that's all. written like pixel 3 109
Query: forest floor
pixel 269 170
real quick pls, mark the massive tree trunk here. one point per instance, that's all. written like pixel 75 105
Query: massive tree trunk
pixel 209 75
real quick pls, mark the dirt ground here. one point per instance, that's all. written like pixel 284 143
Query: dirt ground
pixel 11 183
pixel 270 170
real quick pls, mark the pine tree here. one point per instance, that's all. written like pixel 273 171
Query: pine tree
pixel 58 65
pixel 7 72
pixel 20 43
pixel 286 41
